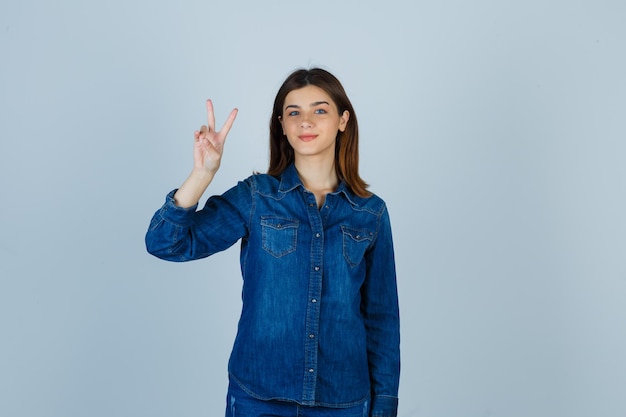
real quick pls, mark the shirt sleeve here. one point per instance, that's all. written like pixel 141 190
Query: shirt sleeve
pixel 384 406
pixel 382 322
pixel 183 234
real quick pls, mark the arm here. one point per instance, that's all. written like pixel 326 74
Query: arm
pixel 182 234
pixel 177 232
pixel 382 323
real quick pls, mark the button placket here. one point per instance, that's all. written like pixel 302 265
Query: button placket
pixel 314 294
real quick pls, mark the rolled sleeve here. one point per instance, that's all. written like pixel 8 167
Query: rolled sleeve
pixel 174 214
pixel 183 234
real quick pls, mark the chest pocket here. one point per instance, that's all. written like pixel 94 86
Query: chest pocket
pixel 355 243
pixel 279 236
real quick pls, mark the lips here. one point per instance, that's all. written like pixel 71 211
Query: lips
pixel 306 138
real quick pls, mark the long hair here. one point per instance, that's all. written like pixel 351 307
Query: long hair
pixel 347 142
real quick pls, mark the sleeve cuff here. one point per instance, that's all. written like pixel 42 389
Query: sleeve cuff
pixel 384 406
pixel 174 214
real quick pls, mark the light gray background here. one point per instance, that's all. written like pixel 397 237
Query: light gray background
pixel 495 131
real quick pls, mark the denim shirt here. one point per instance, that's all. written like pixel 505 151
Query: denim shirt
pixel 320 322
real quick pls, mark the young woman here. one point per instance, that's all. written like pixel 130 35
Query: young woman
pixel 319 328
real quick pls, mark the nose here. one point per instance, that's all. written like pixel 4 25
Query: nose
pixel 305 124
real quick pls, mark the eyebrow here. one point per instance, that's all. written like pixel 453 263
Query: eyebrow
pixel 316 103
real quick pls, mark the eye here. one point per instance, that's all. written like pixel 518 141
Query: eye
pixel 293 113
pixel 320 111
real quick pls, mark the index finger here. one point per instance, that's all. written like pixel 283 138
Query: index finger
pixel 210 115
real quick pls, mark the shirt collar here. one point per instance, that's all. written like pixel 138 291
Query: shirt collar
pixel 289 181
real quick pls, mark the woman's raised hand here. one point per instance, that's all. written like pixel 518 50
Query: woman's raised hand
pixel 207 154
pixel 209 144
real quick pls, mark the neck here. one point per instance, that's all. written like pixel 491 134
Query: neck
pixel 317 174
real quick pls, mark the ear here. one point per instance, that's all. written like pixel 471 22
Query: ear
pixel 343 120
pixel 280 119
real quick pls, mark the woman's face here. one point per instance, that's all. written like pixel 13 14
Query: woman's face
pixel 311 121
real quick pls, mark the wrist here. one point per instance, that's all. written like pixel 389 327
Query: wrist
pixel 194 186
pixel 202 174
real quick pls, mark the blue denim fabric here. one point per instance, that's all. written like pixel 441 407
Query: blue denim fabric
pixel 242 404
pixel 320 322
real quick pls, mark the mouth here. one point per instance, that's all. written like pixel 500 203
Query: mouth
pixel 306 138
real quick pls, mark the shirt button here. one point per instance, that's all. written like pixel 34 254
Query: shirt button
pixel 314 300
pixel 317 235
pixel 311 336
pixel 317 268
pixel 311 370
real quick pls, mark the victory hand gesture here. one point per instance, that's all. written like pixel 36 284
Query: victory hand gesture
pixel 209 144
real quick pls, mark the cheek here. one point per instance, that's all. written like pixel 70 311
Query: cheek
pixel 289 126
pixel 291 143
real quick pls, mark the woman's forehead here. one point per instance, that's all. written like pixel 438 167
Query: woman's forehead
pixel 307 95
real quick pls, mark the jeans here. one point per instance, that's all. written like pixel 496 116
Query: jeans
pixel 241 404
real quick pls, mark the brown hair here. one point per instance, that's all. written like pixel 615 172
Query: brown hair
pixel 347 145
